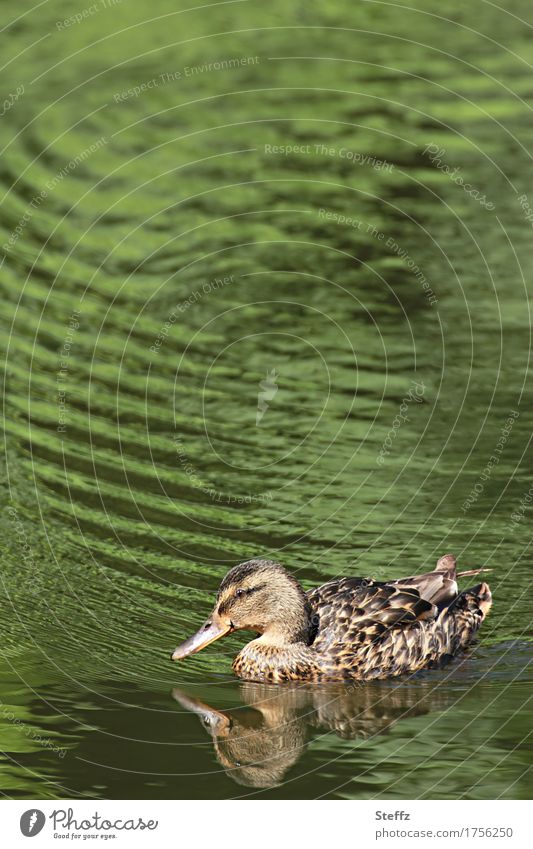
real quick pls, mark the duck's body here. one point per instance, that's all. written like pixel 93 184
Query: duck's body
pixel 351 628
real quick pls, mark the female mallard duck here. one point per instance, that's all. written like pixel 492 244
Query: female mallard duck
pixel 350 628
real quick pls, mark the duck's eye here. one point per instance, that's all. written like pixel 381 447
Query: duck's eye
pixel 240 593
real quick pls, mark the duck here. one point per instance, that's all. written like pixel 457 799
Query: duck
pixel 358 629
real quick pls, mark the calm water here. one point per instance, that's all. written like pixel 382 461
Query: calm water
pixel 217 347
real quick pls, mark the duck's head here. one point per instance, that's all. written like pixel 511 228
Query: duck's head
pixel 258 596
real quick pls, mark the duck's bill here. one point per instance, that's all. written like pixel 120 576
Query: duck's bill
pixel 215 721
pixel 207 634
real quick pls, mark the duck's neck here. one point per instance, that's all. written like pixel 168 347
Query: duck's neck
pixel 286 634
pixel 281 652
pixel 292 623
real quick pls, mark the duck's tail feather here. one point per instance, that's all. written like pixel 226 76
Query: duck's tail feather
pixel 446 564
pixel 472 572
pixel 479 597
pixel 440 586
pixel 485 598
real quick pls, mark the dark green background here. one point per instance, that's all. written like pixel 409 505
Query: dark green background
pixel 117 528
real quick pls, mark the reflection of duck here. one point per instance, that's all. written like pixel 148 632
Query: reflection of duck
pixel 352 628
pixel 259 742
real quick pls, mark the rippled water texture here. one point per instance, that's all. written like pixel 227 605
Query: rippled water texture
pixel 264 292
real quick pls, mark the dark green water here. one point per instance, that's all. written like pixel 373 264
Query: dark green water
pixel 164 255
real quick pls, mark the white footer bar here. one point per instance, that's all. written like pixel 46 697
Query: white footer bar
pixel 262 823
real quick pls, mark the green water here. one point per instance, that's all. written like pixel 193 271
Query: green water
pixel 164 255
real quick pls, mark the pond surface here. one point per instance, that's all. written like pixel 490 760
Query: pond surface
pixel 265 288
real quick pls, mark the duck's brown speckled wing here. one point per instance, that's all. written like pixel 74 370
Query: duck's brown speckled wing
pixel 352 612
pixel 369 629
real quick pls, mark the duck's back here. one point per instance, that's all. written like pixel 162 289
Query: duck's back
pixel 370 629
